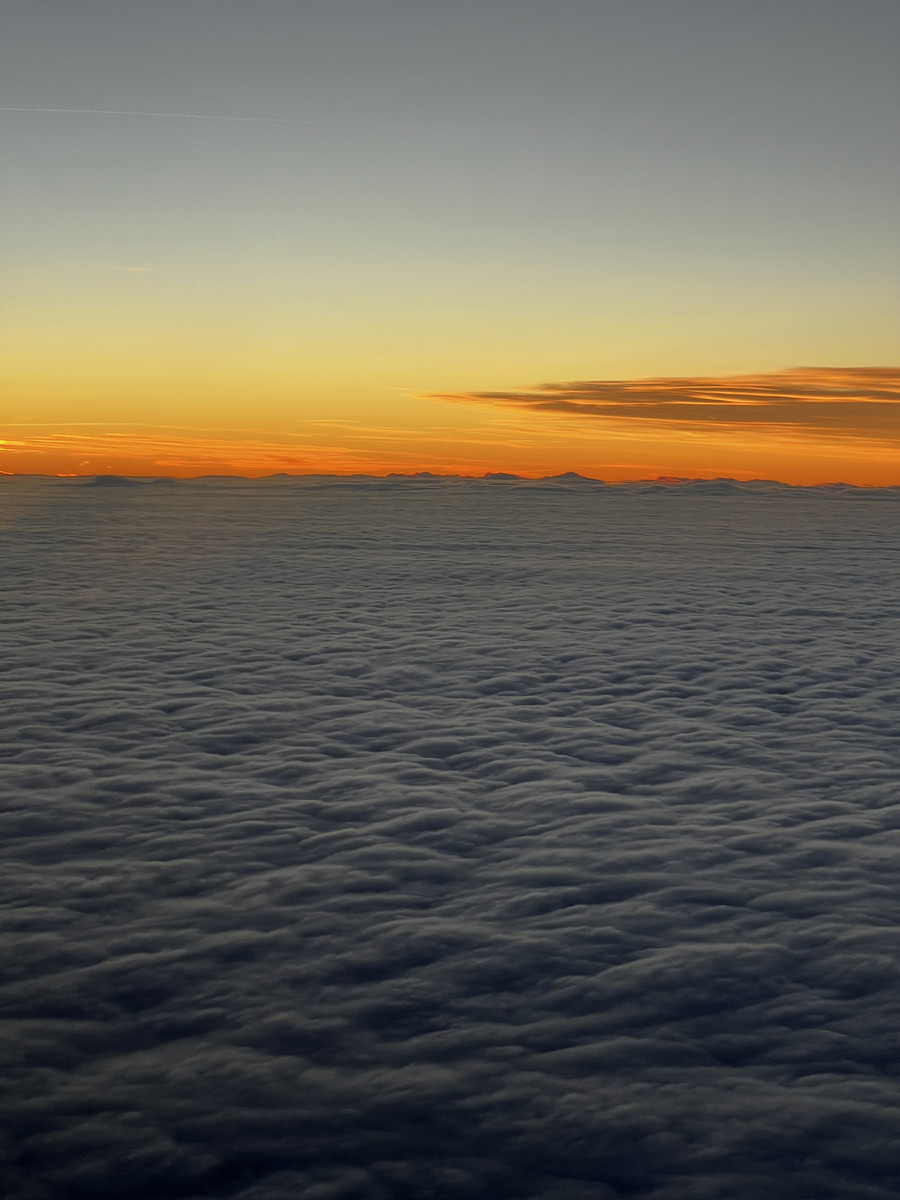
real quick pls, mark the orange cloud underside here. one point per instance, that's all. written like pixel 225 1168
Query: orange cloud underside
pixel 803 426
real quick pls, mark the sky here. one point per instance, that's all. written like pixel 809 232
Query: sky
pixel 362 237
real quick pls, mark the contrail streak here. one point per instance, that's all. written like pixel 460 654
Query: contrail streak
pixel 121 112
pixel 125 112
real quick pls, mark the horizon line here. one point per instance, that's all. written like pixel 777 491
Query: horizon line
pixel 672 481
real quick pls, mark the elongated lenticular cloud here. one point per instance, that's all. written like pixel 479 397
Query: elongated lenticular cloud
pixel 808 402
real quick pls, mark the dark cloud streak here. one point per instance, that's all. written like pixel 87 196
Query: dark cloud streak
pixel 853 402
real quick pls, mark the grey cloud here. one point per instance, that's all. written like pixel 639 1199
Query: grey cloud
pixel 432 837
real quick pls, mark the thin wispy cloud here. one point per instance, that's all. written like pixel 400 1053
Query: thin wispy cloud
pixel 180 116
pixel 242 119
pixel 354 448
pixel 164 453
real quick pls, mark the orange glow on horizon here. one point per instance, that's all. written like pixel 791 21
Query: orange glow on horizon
pixel 803 426
pixel 187 458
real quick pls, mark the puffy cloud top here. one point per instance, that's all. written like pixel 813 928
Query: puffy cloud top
pixel 468 839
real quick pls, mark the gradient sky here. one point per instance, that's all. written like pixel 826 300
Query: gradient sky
pixel 424 212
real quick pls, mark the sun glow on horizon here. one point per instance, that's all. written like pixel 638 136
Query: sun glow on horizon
pixel 805 426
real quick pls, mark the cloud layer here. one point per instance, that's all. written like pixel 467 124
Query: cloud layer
pixel 814 402
pixel 452 839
